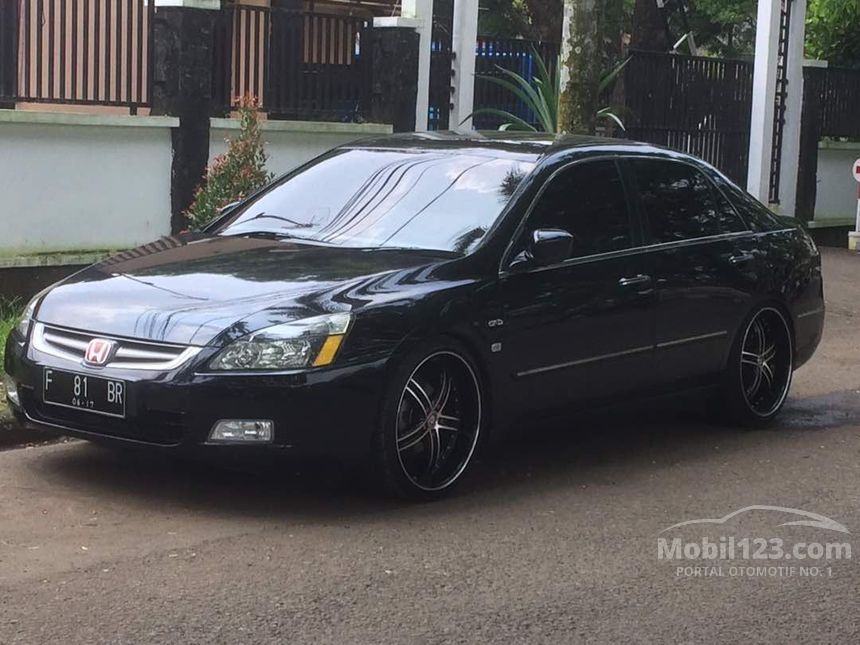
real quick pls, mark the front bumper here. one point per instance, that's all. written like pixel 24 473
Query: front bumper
pixel 325 412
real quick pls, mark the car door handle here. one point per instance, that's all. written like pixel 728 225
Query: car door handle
pixel 741 258
pixel 634 281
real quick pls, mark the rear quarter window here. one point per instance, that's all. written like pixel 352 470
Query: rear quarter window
pixel 758 217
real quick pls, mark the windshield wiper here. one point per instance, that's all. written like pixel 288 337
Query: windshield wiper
pixel 295 223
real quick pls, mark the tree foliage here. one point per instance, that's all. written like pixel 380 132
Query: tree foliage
pixel 506 19
pixel 235 174
pixel 720 27
pixel 723 28
pixel 833 32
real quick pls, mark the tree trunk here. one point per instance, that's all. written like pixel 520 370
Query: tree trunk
pixel 545 23
pixel 649 27
pixel 591 45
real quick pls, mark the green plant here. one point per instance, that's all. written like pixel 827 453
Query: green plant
pixel 541 96
pixel 10 311
pixel 833 32
pixel 237 173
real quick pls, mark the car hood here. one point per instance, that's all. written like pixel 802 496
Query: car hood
pixel 190 290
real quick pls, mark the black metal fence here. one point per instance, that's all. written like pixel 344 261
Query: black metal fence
pixel 698 105
pixel 86 52
pixel 518 56
pixel 838 96
pixel 299 64
pixel 8 50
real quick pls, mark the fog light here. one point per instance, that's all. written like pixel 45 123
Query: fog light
pixel 11 388
pixel 242 431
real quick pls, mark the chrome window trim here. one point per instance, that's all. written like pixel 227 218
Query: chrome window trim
pixel 40 343
pixel 637 250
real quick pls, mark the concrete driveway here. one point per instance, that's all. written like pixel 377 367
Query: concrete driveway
pixel 553 539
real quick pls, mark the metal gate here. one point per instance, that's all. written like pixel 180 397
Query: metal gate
pixel 701 106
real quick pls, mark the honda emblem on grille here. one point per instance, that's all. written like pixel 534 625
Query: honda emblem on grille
pixel 99 351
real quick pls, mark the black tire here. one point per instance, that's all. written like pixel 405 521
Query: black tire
pixel 431 422
pixel 758 374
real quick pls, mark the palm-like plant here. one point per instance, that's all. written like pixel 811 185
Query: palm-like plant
pixel 541 96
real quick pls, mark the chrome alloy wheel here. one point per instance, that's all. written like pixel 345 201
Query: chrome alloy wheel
pixel 766 362
pixel 438 421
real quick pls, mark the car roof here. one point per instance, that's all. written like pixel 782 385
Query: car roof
pixel 534 144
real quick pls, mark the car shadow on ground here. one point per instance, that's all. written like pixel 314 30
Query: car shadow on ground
pixel 570 451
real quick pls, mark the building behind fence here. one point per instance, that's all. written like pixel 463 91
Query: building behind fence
pixel 83 52
pixel 301 64
pixel 314 62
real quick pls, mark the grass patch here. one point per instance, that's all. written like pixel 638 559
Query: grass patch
pixel 9 312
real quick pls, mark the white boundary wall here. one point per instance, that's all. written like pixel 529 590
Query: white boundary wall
pixel 82 182
pixel 836 198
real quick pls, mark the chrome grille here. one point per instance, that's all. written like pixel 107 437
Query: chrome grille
pixel 130 354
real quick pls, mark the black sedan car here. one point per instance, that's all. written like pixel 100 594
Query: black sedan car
pixel 402 299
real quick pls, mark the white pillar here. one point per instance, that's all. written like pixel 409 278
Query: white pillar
pixel 764 94
pixel 793 110
pixel 422 12
pixel 464 43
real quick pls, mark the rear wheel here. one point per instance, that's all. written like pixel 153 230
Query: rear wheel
pixel 431 422
pixel 758 375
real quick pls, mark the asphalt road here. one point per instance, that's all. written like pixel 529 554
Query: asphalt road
pixel 553 539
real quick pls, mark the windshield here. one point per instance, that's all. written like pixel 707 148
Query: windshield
pixel 387 199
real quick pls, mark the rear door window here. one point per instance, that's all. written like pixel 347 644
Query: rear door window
pixel 681 203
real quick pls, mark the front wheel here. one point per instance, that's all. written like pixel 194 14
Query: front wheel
pixel 431 422
pixel 760 367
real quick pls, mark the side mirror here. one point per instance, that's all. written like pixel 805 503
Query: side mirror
pixel 550 246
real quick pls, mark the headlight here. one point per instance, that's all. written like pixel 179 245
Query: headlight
pixel 23 326
pixel 312 342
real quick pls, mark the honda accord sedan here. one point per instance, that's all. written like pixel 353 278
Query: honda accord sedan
pixel 404 299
